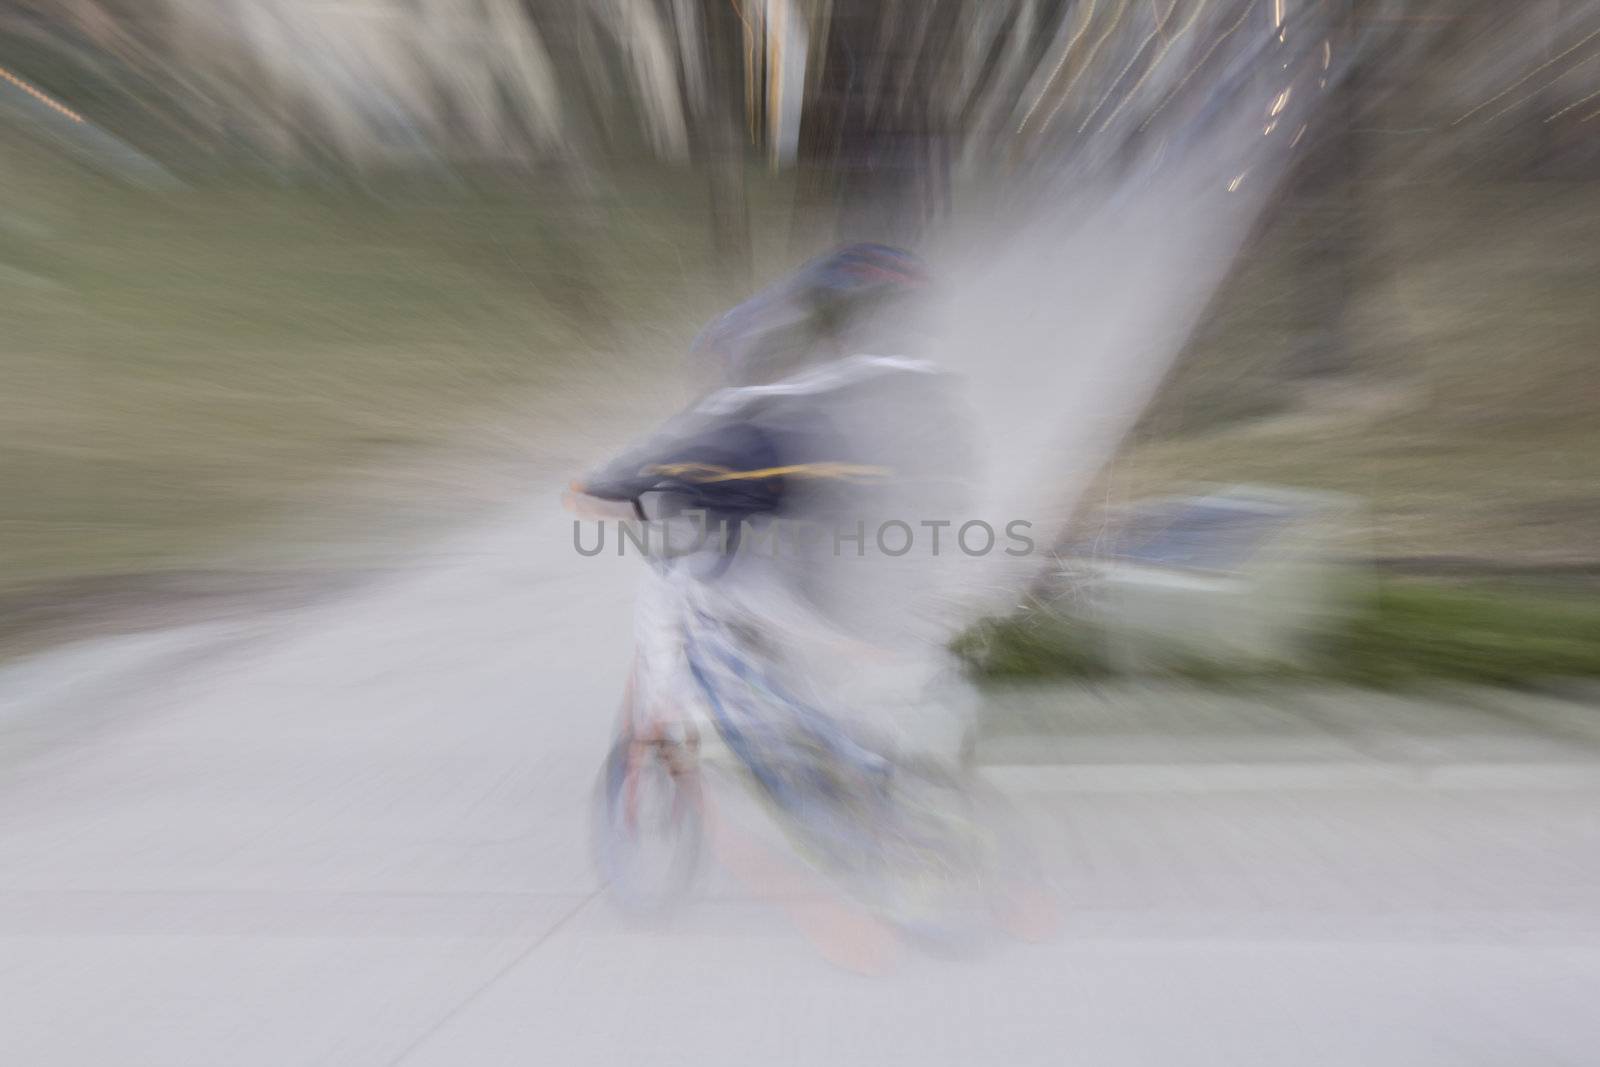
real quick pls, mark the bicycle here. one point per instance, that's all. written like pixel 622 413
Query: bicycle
pixel 919 844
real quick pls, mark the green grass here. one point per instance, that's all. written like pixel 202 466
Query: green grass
pixel 1481 633
pixel 1034 644
pixel 184 370
pixel 1403 632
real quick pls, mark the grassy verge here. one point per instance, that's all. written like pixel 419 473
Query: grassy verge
pixel 248 377
pixel 1484 633
pixel 184 367
pixel 1404 632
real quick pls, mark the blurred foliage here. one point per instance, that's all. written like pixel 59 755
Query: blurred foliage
pixel 1405 632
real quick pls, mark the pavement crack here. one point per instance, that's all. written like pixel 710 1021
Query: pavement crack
pixel 472 997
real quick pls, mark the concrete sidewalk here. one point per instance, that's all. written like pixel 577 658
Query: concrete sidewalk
pixel 360 839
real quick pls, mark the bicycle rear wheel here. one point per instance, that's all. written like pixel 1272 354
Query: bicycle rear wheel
pixel 938 847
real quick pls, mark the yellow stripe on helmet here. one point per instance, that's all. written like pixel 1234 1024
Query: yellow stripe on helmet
pixel 705 473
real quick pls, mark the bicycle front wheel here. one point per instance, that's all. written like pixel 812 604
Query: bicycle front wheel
pixel 647 831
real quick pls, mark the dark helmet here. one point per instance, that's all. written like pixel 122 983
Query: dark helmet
pixel 818 304
pixel 851 284
pixel 862 268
